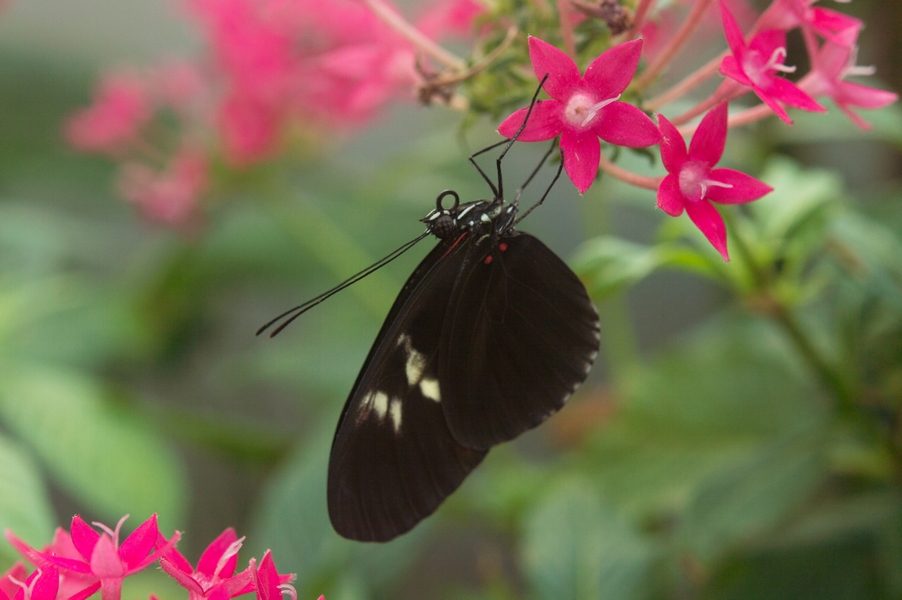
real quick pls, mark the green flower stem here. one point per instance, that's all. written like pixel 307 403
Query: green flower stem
pixel 830 376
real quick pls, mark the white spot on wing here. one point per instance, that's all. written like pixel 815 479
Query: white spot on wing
pixel 395 414
pixel 429 388
pixel 379 401
pixel 416 362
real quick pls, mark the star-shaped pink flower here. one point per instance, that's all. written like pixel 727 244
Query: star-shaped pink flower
pixel 584 108
pixel 270 585
pixel 831 65
pixel 755 65
pixel 102 559
pixel 692 182
pixel 43 584
pixel 214 578
pixel 829 24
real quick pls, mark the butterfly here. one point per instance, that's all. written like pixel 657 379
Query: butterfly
pixel 489 336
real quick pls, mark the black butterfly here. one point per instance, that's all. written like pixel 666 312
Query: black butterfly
pixel 489 337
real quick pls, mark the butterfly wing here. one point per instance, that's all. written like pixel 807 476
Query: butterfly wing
pixel 520 336
pixel 393 457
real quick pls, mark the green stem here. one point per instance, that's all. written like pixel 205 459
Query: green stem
pixel 830 376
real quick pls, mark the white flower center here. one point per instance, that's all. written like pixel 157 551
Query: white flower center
pixel 758 70
pixel 581 109
pixel 694 181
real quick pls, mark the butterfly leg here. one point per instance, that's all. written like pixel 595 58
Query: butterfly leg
pixel 498 190
pixel 557 175
pixel 535 171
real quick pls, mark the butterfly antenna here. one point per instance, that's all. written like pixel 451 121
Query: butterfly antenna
pixel 293 313
pixel 498 190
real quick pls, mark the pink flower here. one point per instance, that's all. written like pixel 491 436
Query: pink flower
pixel 450 16
pixel 101 558
pixel 755 66
pixel 830 24
pixel 269 583
pixel 121 107
pixel 692 181
pixel 584 108
pixel 831 65
pixel 43 584
pixel 214 577
pixel 9 580
pixel 171 196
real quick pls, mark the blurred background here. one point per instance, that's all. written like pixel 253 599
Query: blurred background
pixel 740 436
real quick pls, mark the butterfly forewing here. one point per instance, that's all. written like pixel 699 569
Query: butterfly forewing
pixel 520 335
pixel 393 458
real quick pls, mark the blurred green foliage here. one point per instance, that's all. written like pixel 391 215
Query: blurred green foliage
pixel 756 454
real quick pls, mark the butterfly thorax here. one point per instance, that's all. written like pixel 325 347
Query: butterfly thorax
pixel 481 217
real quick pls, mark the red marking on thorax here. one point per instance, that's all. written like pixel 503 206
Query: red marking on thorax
pixel 502 246
pixel 488 259
pixel 455 243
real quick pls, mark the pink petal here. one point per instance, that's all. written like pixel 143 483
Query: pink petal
pixel 673 147
pixel 831 60
pixel 610 73
pixel 68 564
pixel 710 223
pixel 87 592
pixel 218 593
pixel 732 33
pixel 837 27
pixel 582 152
pixel 105 561
pixel 210 557
pixel 773 104
pixel 730 68
pixel 544 122
pixel 767 42
pixel 863 96
pixel 710 136
pixel 83 537
pixel 267 579
pixel 788 92
pixel 854 117
pixel 241 583
pixel 47 584
pixel 183 578
pixel 670 199
pixel 625 125
pixel 142 540
pixel 177 560
pixel 32 554
pixel 563 74
pixel 745 187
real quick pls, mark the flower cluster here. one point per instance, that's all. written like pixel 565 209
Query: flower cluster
pixel 277 73
pixel 586 108
pixel 82 561
pixel 280 67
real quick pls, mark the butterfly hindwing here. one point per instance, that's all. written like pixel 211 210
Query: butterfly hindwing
pixel 520 335
pixel 393 458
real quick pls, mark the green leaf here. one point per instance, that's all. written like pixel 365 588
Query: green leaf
pixel 24 507
pixel 292 520
pixel 609 264
pixel 837 549
pixel 109 460
pixel 749 498
pixel 577 547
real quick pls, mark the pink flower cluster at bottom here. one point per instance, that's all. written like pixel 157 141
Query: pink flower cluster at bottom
pixel 79 563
